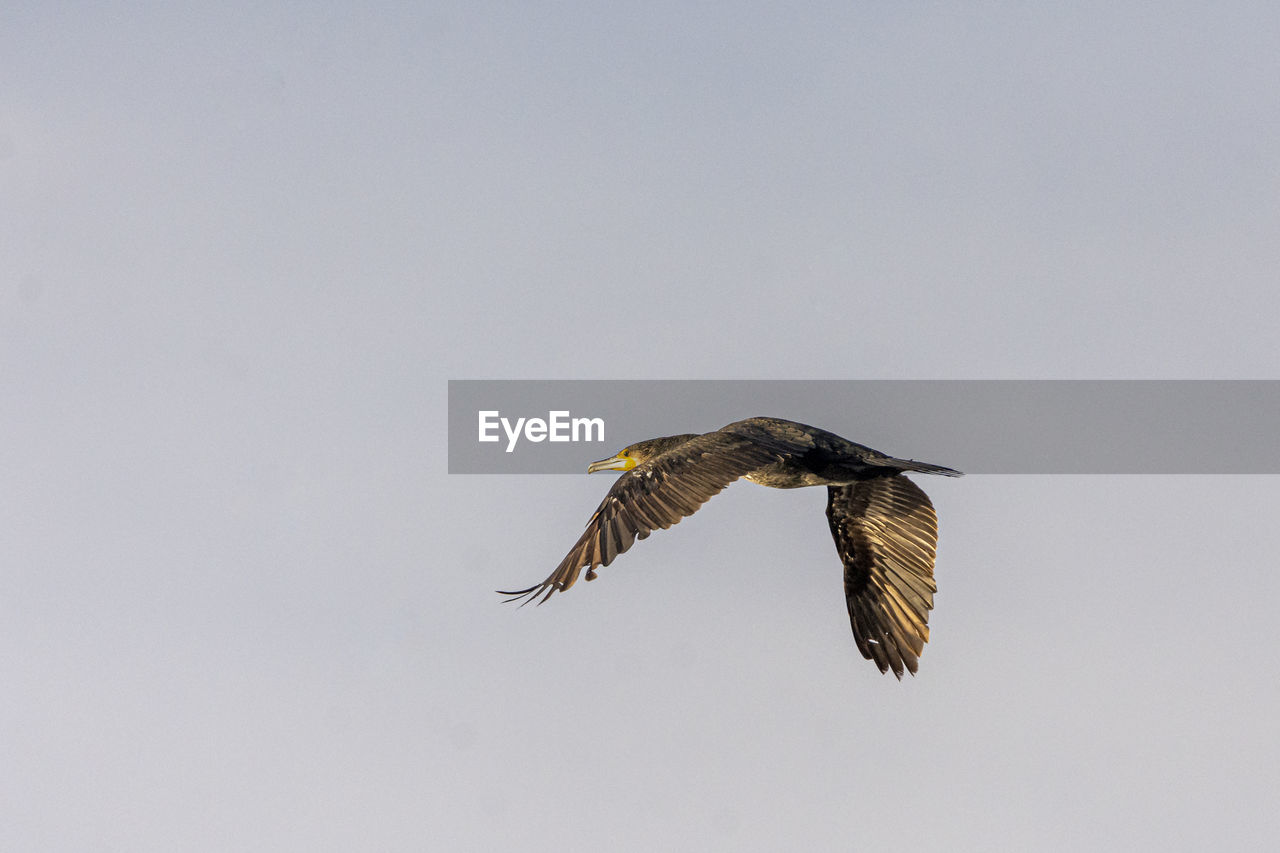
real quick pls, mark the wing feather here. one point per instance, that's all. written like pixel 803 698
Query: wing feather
pixel 886 533
pixel 652 496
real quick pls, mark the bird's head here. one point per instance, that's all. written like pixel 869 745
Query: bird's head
pixel 639 453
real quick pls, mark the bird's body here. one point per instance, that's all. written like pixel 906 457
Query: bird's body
pixel 884 526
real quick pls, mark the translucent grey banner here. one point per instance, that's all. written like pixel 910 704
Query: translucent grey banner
pixel 976 426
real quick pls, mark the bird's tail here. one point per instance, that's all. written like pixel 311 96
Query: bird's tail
pixel 925 468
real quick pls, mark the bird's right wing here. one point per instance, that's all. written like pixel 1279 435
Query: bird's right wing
pixel 655 494
pixel 887 533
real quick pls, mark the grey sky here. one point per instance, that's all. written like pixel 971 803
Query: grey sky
pixel 243 606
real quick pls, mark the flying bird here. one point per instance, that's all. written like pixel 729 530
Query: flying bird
pixel 884 526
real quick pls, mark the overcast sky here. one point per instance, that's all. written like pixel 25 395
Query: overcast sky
pixel 242 248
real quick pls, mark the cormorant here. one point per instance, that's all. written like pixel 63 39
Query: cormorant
pixel 884 526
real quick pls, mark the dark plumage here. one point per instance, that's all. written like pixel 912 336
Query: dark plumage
pixel 884 526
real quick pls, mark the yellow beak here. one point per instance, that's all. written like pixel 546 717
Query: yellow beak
pixel 613 463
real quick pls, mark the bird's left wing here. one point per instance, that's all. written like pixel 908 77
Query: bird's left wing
pixel 886 533
pixel 655 494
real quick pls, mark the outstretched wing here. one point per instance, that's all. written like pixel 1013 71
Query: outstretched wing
pixel 886 532
pixel 655 494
